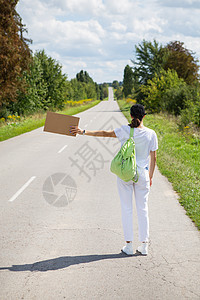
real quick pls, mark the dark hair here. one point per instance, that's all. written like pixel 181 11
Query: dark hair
pixel 137 111
pixel 135 122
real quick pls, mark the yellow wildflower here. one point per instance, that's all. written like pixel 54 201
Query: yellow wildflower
pixel 131 101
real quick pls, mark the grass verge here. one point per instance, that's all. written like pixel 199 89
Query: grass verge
pixel 32 122
pixel 178 158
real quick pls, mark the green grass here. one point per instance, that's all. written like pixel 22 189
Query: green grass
pixel 38 120
pixel 178 158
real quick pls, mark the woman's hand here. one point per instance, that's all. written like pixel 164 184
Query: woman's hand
pixel 75 130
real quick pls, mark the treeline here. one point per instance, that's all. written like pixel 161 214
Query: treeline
pixel 31 83
pixel 164 79
pixel 47 88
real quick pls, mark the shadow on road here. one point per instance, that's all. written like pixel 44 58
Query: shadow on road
pixel 63 262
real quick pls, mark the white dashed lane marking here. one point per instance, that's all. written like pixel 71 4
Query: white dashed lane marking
pixel 21 189
pixel 62 149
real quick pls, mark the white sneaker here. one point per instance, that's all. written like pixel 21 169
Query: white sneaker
pixel 128 249
pixel 143 249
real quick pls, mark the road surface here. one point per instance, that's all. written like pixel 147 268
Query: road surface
pixel 61 232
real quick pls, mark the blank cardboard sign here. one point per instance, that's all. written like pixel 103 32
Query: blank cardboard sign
pixel 58 123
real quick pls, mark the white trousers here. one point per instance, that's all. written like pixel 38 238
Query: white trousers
pixel 141 192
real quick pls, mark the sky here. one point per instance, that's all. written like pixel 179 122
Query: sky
pixel 99 36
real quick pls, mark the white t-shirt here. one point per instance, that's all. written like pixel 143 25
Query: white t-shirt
pixel 145 141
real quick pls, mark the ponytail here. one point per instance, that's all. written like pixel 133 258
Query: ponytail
pixel 137 113
pixel 135 122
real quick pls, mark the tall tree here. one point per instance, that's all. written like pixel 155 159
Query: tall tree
pixel 182 61
pixel 128 81
pixel 150 59
pixel 83 76
pixel 36 91
pixel 15 54
pixel 54 79
pixel 103 90
pixel 88 86
pixel 97 90
pixel 115 84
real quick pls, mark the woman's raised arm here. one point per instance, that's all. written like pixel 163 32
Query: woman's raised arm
pixel 98 133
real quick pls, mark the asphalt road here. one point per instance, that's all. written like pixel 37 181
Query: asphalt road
pixel 61 232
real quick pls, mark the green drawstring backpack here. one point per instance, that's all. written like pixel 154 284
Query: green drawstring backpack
pixel 124 163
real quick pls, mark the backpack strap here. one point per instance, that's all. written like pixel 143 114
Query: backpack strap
pixel 132 132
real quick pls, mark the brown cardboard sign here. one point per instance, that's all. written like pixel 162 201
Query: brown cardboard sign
pixel 59 123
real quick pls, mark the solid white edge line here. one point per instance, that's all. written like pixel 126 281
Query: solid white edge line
pixel 21 189
pixel 62 149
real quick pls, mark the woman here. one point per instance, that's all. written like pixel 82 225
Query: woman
pixel 146 144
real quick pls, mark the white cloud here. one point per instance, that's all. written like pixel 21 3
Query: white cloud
pixel 79 6
pixel 120 7
pixel 69 36
pixel 150 25
pixel 181 3
pixel 100 35
pixel 117 26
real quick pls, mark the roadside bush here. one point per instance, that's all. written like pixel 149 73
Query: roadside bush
pixel 169 93
pixel 190 115
pixel 175 98
pixel 154 99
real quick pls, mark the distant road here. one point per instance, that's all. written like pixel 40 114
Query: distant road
pixel 61 232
